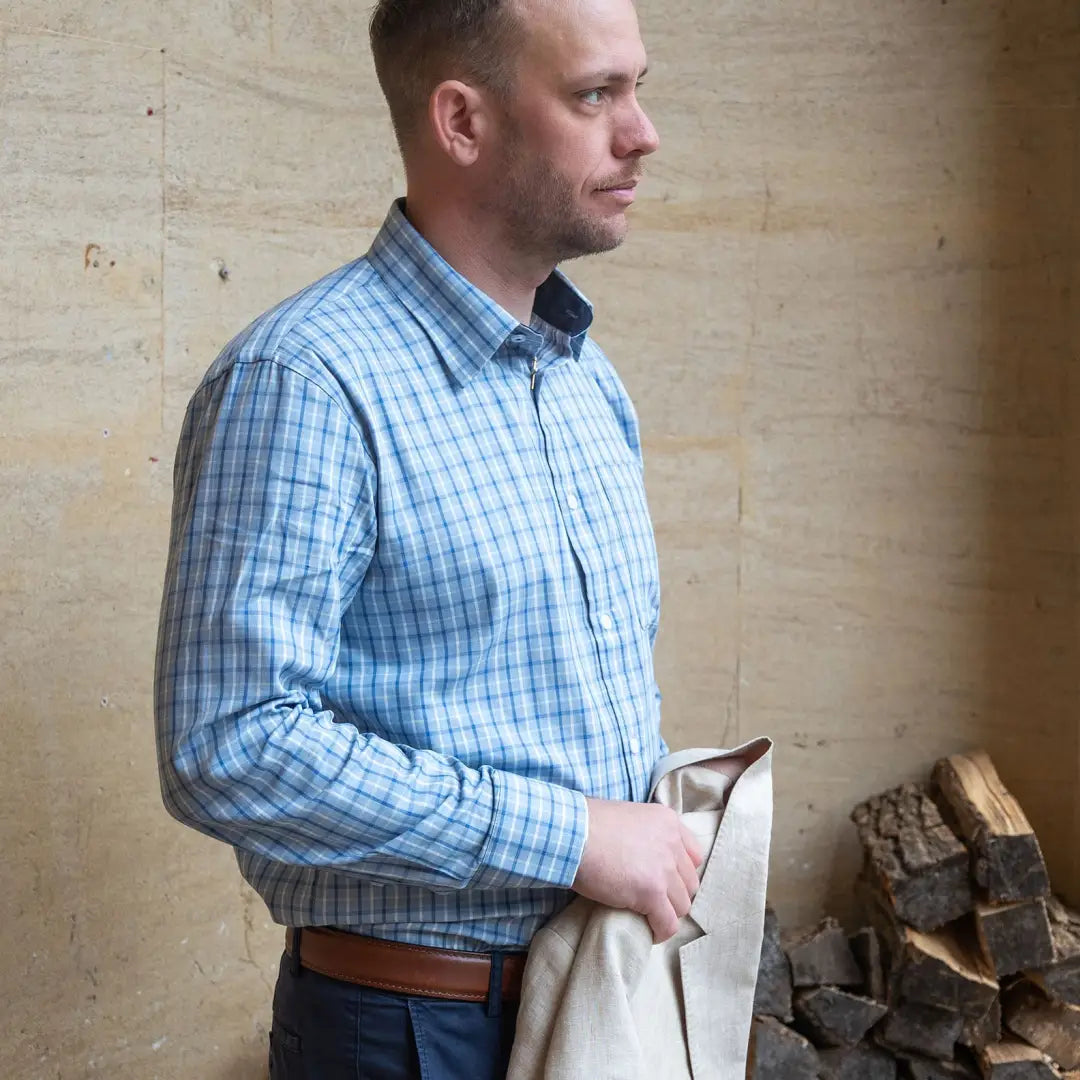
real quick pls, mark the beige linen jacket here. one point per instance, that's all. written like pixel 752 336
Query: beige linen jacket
pixel 600 1001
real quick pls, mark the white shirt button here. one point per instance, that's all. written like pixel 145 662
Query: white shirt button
pixel 573 502
pixel 635 746
pixel 606 621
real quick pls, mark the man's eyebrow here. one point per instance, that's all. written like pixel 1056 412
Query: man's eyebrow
pixel 616 78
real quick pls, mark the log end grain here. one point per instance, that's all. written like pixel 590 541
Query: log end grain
pixel 1016 936
pixel 920 1030
pixel 1047 1024
pixel 983 1031
pixel 821 956
pixel 918 1068
pixel 833 1017
pixel 1014 1060
pixel 1061 978
pixel 778 1053
pixel 866 948
pixel 773 994
pixel 865 1062
pixel 946 968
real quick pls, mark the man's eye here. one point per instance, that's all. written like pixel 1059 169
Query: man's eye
pixel 593 97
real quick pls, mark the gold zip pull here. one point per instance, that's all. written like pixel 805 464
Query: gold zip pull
pixel 532 380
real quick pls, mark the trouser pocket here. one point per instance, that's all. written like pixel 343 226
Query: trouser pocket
pixel 313 1034
pixel 286 1058
pixel 457 1040
pixel 328 1029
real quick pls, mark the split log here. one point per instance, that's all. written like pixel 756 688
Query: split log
pixel 1061 978
pixel 773 994
pixel 832 1017
pixel 1013 1060
pixel 922 1030
pixel 866 948
pixel 878 911
pixel 928 1069
pixel 915 857
pixel 1007 860
pixel 863 1062
pixel 1050 1026
pixel 821 956
pixel 778 1053
pixel 945 968
pixel 1016 936
pixel 983 1031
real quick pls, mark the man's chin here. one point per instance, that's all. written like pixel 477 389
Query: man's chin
pixel 594 246
pixel 604 234
pixel 611 238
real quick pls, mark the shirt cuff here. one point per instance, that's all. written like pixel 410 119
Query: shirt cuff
pixel 537 835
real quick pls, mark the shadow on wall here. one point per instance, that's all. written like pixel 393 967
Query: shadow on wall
pixel 250 1068
pixel 1030 411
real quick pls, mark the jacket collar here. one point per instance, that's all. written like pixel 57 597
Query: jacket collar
pixel 744 809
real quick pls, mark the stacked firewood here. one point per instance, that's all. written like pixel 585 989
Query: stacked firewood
pixel 968 967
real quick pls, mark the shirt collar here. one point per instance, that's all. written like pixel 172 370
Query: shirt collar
pixel 464 324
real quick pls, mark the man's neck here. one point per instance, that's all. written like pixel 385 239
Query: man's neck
pixel 474 249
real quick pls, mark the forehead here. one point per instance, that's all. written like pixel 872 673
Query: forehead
pixel 570 37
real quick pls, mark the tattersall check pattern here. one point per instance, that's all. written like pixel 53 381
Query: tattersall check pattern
pixel 410 603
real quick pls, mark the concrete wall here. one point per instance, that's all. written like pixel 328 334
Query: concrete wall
pixel 846 316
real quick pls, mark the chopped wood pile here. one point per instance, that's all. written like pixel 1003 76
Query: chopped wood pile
pixel 968 967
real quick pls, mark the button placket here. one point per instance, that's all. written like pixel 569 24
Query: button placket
pixel 587 548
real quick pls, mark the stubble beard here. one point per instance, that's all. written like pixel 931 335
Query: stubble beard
pixel 543 219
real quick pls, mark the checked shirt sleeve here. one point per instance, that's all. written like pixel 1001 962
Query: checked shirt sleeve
pixel 273 529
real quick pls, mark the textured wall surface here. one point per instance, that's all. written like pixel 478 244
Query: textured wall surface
pixel 846 316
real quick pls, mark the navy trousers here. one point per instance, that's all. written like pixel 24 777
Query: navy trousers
pixel 325 1029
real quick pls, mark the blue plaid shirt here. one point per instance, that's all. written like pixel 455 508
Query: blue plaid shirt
pixel 410 603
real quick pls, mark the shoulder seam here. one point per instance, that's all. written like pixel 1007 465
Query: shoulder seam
pixel 278 361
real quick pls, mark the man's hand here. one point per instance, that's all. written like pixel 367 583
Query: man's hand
pixel 641 857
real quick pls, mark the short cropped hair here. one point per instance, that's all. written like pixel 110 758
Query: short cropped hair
pixel 419 43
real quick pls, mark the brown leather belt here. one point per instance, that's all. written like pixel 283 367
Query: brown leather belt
pixel 405 969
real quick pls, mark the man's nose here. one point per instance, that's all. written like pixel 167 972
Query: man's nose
pixel 637 136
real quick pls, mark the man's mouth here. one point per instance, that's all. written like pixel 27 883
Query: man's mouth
pixel 622 192
pixel 622 185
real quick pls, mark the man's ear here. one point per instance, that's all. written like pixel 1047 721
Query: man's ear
pixel 460 121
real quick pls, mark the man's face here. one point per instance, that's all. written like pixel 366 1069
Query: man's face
pixel 573 135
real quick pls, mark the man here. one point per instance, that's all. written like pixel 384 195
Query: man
pixel 405 655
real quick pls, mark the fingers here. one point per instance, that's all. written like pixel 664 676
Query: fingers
pixel 682 888
pixel 688 875
pixel 656 874
pixel 693 848
pixel 680 899
pixel 668 909
pixel 663 922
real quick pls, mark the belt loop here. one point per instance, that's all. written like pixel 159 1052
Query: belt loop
pixel 295 951
pixel 494 1001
